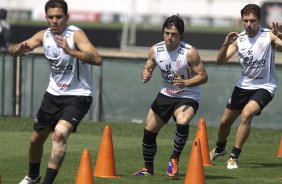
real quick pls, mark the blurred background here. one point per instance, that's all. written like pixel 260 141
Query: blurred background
pixel 126 21
pixel 122 31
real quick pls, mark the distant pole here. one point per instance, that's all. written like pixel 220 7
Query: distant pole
pixel 98 97
pixel 132 30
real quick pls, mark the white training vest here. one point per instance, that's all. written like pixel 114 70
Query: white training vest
pixel 68 75
pixel 257 56
pixel 173 63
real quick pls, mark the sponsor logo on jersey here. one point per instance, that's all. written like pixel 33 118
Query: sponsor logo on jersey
pixel 241 39
pixel 174 92
pixel 263 34
pixel 254 64
pixel 160 49
pixel 181 51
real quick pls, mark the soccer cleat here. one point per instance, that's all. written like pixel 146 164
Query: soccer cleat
pixel 232 163
pixel 172 169
pixel 214 155
pixel 143 172
pixel 28 180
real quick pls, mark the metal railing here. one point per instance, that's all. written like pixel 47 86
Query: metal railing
pixel 120 95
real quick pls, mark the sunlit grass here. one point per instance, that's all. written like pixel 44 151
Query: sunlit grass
pixel 258 163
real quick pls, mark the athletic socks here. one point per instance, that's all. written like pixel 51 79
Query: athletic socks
pixel 180 139
pixel 220 146
pixel 235 153
pixel 149 147
pixel 34 169
pixel 50 176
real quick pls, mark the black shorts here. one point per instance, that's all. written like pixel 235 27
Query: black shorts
pixel 164 106
pixel 240 97
pixel 54 108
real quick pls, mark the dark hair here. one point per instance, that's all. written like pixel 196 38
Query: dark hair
pixel 57 4
pixel 251 8
pixel 176 21
pixel 3 14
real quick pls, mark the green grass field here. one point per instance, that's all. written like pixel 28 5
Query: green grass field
pixel 258 163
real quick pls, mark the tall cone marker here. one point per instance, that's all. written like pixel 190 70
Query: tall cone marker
pixel 195 168
pixel 279 153
pixel 203 136
pixel 105 163
pixel 84 174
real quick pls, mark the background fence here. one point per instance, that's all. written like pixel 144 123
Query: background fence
pixel 120 94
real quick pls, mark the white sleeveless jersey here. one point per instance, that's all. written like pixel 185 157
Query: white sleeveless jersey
pixel 68 75
pixel 257 56
pixel 173 63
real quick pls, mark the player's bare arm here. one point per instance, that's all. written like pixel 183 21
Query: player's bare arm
pixel 149 67
pixel 200 74
pixel 27 45
pixel 86 51
pixel 228 48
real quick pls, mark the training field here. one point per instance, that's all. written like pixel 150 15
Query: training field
pixel 258 163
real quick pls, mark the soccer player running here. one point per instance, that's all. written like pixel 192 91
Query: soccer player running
pixel 257 85
pixel 69 93
pixel 182 72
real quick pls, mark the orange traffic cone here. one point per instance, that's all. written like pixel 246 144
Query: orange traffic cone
pixel 279 154
pixel 195 168
pixel 105 163
pixel 84 174
pixel 202 135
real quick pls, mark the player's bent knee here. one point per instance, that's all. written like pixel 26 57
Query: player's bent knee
pixel 59 140
pixel 62 131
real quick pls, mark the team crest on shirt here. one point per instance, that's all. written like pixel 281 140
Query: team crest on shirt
pixel 178 63
pixel 261 47
pixel 52 51
pixel 160 49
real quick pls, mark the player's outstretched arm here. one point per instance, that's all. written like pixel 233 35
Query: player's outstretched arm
pixel 27 45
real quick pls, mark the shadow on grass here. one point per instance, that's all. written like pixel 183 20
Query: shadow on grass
pixel 210 177
pixel 266 165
